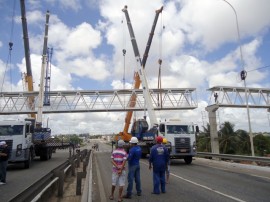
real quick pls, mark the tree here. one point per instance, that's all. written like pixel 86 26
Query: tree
pixel 261 145
pixel 203 140
pixel 243 142
pixel 227 138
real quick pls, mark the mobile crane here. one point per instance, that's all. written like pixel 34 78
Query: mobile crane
pixel 26 138
pixel 181 136
pixel 140 127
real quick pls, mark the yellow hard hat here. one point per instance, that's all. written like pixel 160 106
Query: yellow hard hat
pixel 164 141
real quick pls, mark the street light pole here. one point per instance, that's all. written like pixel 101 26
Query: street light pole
pixel 243 77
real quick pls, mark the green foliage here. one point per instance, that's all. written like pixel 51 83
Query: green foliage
pixel 261 145
pixel 227 139
pixel 203 140
pixel 233 142
pixel 243 143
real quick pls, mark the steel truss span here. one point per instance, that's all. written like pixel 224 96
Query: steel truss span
pixel 98 101
pixel 235 97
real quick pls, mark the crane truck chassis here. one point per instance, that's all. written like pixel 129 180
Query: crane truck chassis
pixel 25 142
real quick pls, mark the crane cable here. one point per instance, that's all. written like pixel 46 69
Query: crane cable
pixel 160 62
pixel 8 62
pixel 124 58
pixel 124 53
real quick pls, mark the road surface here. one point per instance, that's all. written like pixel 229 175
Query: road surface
pixel 203 180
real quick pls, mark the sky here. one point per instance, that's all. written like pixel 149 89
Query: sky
pixel 197 41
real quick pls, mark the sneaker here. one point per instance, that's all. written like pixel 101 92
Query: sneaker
pixel 2 183
pixel 139 194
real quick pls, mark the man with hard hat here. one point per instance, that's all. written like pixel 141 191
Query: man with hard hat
pixel 159 157
pixel 134 156
pixel 119 157
pixel 4 155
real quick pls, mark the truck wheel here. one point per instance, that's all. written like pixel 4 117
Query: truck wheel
pixel 44 155
pixel 28 161
pixel 188 159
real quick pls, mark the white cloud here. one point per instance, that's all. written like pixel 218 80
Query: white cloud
pixel 71 4
pixel 198 46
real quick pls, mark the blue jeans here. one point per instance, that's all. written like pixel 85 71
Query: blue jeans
pixel 159 181
pixel 134 173
pixel 3 171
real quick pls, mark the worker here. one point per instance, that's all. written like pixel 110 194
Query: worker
pixel 119 157
pixel 216 97
pixel 4 155
pixel 165 142
pixel 134 156
pixel 159 157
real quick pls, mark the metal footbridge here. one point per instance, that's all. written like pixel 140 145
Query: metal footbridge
pixel 240 97
pixel 97 101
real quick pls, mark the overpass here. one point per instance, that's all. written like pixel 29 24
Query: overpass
pixel 97 101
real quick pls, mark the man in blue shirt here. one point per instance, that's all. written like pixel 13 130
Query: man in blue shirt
pixel 134 156
pixel 159 158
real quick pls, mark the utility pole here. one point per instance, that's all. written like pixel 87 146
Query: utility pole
pixel 243 75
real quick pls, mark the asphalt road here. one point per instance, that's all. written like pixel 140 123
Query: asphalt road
pixel 203 180
pixel 18 178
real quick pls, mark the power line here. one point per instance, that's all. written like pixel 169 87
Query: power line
pixel 259 68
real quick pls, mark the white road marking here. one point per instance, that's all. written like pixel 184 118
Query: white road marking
pixel 208 188
pixel 205 187
pixel 228 169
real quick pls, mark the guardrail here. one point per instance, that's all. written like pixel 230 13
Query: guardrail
pixel 235 157
pixel 54 180
pixel 87 189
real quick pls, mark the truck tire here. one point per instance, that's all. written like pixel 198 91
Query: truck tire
pixel 188 159
pixel 28 161
pixel 45 154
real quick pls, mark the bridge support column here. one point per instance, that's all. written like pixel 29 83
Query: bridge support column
pixel 213 127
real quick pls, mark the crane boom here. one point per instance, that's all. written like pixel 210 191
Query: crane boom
pixel 138 75
pixel 28 77
pixel 148 45
pixel 42 74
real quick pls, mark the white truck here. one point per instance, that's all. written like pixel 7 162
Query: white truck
pixel 25 142
pixel 181 137
pixel 18 136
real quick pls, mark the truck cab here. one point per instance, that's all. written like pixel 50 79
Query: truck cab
pixel 182 139
pixel 18 136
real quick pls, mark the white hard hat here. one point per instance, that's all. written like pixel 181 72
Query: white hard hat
pixel 134 140
pixel 121 143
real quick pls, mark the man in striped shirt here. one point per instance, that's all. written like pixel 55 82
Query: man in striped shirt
pixel 119 157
